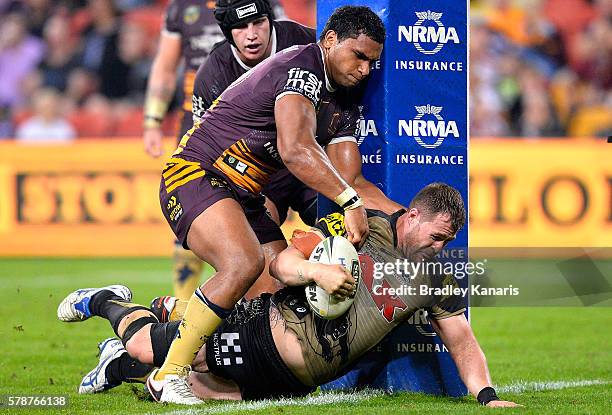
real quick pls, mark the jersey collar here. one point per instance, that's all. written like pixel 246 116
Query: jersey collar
pixel 393 221
pixel 272 53
pixel 328 84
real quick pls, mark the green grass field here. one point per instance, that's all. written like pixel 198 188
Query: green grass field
pixel 40 355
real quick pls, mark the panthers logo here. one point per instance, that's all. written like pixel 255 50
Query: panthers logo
pixel 332 224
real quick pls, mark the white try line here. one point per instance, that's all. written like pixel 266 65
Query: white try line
pixel 329 398
pixel 521 386
pixel 323 398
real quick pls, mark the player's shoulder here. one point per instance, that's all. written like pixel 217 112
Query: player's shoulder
pixel 293 33
pixel 220 56
pixel 308 56
pixel 221 49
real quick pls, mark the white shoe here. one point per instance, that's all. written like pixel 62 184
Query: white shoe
pixel 95 381
pixel 172 389
pixel 75 307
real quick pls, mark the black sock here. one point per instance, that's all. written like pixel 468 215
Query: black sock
pixel 127 369
pixel 107 305
pixel 99 305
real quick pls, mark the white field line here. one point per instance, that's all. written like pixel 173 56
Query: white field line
pixel 520 387
pixel 323 398
pixel 327 398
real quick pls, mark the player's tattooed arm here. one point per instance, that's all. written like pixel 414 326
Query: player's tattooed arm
pixel 292 269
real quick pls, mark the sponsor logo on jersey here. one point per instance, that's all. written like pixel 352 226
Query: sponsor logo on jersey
pixel 217 183
pixel 235 164
pixel 197 106
pixel 174 208
pixel 421 323
pixel 191 14
pixel 246 11
pixel 428 34
pixel 305 83
pixel 428 128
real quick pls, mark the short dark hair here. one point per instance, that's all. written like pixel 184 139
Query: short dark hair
pixel 352 21
pixel 440 198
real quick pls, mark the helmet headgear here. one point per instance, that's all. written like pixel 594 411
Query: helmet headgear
pixel 234 13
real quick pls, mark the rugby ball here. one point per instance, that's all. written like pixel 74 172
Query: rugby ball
pixel 333 250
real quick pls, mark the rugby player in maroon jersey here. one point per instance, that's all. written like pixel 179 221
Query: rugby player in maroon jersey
pixel 210 191
pixel 189 33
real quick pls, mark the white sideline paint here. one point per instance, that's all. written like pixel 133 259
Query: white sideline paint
pixel 327 398
pixel 520 387
pixel 323 398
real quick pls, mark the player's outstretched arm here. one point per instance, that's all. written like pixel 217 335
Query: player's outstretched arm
pixel 162 83
pixel 292 269
pixel 296 124
pixel 346 159
pixel 459 338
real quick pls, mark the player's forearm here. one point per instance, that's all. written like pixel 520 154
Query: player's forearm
pixel 471 364
pixel 312 167
pixel 160 90
pixel 291 268
pixel 373 197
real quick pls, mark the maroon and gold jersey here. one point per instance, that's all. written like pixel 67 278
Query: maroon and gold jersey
pixel 236 137
pixel 194 23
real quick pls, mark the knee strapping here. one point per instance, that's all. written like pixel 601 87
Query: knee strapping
pixel 133 326
pixel 162 335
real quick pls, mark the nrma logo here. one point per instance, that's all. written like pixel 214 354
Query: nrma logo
pixel 432 128
pixel 428 30
pixel 364 127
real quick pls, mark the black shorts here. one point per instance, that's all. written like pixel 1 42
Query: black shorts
pixel 186 190
pixel 243 350
pixel 286 191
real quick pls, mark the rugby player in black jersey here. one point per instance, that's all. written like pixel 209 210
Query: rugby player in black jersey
pixel 274 346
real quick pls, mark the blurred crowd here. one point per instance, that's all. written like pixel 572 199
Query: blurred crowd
pixel 78 68
pixel 541 68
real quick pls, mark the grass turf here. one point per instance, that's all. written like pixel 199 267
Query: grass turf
pixel 40 355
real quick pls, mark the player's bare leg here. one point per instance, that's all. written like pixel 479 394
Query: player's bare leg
pixel 266 283
pixel 221 236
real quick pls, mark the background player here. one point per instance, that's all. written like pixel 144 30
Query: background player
pixel 188 34
pixel 303 350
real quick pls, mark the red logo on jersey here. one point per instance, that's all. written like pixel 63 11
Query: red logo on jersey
pixel 386 303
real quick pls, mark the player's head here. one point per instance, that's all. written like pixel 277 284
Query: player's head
pixel 434 217
pixel 246 24
pixel 353 40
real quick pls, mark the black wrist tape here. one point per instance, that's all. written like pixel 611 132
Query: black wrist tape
pixel 351 201
pixel 487 395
